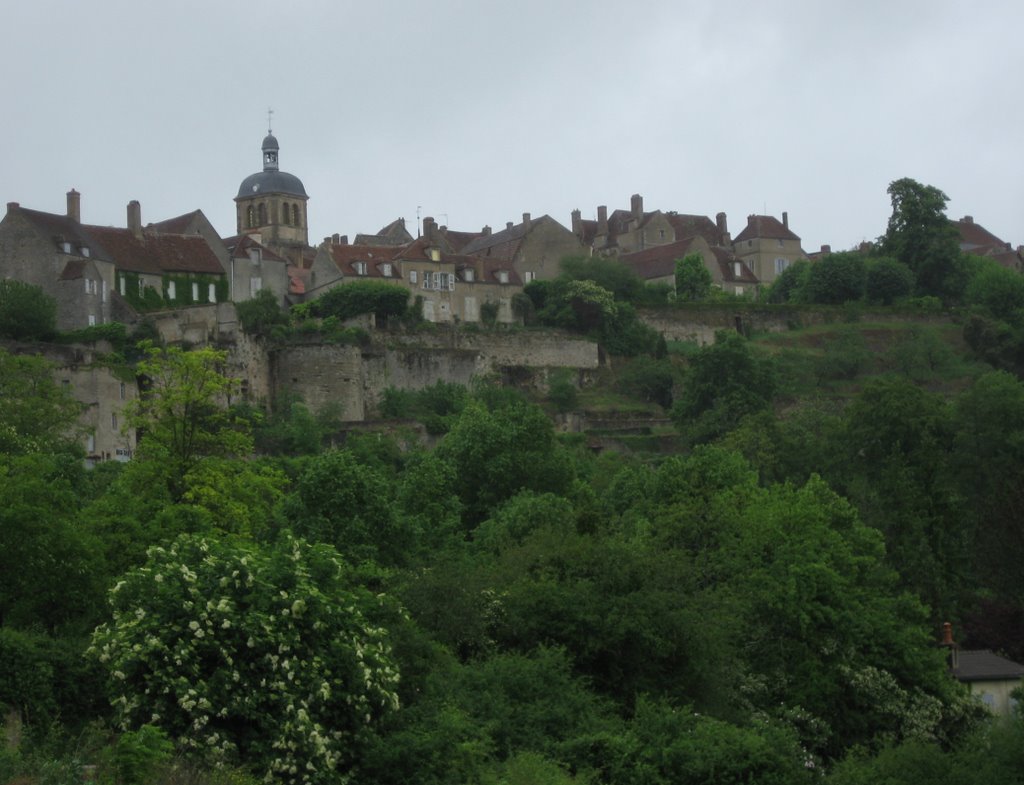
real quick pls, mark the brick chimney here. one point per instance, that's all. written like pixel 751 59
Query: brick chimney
pixel 577 223
pixel 12 206
pixel 75 206
pixel 602 219
pixel 826 249
pixel 949 645
pixel 526 221
pixel 135 217
pixel 636 206
pixel 785 220
pixel 723 229
pixel 509 225
pixel 968 219
pixel 486 231
pixel 430 228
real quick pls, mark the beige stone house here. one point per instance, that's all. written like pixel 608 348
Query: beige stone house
pixel 534 248
pixel 768 246
pixel 658 265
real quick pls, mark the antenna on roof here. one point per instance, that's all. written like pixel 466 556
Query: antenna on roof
pixel 270 113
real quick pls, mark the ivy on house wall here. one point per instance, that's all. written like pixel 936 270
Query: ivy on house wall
pixel 149 298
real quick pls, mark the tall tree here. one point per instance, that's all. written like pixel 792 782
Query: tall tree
pixel 920 236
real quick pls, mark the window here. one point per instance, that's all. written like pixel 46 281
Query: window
pixel 66 247
pixel 195 292
pixel 122 287
pixel 142 288
pixel 739 291
pixel 103 291
pixel 413 276
pixel 737 269
pixel 92 320
pixel 286 214
pixel 87 287
pixel 295 214
pixel 255 284
pixel 435 254
pixel 123 391
pixel 211 293
pixel 530 276
pixel 90 443
pixel 262 211
pixel 502 276
pixel 468 275
pixel 780 265
pixel 359 267
pixel 779 241
pixel 250 217
pixel 113 420
pixel 171 291
pixel 385 269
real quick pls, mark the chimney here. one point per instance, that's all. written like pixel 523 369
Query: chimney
pixel 526 221
pixel 826 249
pixel 785 220
pixel 509 224
pixel 723 229
pixel 577 223
pixel 135 217
pixel 636 204
pixel 12 206
pixel 335 239
pixel 950 645
pixel 429 228
pixel 968 219
pixel 602 219
pixel 75 206
pixel 486 231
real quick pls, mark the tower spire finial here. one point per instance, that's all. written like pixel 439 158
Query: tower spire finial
pixel 270 113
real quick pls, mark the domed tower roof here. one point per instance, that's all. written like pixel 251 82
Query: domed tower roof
pixel 271 180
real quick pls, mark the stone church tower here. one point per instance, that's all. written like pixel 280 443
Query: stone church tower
pixel 272 204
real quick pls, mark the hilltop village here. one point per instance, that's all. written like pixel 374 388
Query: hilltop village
pixel 628 500
pixel 180 273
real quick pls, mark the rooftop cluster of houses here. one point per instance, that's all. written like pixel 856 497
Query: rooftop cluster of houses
pixel 99 274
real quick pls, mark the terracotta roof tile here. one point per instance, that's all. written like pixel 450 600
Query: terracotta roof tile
pixel 157 253
pixel 765 227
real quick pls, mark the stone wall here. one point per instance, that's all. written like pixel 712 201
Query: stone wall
pixel 354 378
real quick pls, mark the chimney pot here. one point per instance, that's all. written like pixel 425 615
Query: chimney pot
pixel 75 206
pixel 947 634
pixel 636 203
pixel 135 217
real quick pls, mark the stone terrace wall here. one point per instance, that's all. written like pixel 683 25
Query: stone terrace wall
pixel 355 378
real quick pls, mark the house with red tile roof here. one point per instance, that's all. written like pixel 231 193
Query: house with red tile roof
pixel 101 273
pixel 658 265
pixel 978 241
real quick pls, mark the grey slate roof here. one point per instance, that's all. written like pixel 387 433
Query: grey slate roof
pixel 983 665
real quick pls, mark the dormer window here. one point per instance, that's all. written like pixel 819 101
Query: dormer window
pixel 502 276
pixel 359 267
pixel 65 246
pixel 84 250
pixel 737 269
pixel 254 255
pixel 467 275
pixel 435 254
pixel 385 269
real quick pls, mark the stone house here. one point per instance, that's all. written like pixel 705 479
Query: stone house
pixel 98 274
pixel 252 266
pixel 658 265
pixel 394 234
pixel 975 239
pixel 533 248
pixel 767 246
pixel 990 678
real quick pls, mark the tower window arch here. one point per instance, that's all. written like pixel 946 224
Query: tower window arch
pixel 286 214
pixel 295 214
pixel 250 217
pixel 263 214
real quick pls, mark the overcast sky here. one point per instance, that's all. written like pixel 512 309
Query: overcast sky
pixel 476 112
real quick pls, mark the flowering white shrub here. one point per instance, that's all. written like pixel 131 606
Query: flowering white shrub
pixel 258 655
